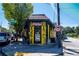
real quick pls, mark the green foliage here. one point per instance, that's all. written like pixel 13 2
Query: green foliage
pixel 77 30
pixel 18 12
pixel 2 29
pixel 72 34
pixel 71 31
pixel 68 30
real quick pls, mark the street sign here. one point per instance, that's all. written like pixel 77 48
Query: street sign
pixel 12 21
pixel 57 28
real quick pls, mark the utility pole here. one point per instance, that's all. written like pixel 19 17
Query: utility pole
pixel 58 34
pixel 58 14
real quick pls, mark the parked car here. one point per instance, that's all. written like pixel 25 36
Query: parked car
pixel 4 38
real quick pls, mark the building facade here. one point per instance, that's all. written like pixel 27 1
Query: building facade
pixel 40 30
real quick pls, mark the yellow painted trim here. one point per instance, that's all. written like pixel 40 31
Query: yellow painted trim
pixel 32 34
pixel 43 33
pixel 22 54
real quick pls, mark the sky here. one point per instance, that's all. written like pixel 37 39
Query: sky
pixel 3 21
pixel 69 13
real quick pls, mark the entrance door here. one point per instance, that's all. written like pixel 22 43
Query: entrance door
pixel 37 34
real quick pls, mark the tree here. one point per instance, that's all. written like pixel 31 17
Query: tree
pixel 2 29
pixel 77 30
pixel 67 30
pixel 18 12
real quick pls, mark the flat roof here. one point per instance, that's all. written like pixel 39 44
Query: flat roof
pixel 37 16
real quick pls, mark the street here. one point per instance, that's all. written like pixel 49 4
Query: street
pixel 32 50
pixel 71 47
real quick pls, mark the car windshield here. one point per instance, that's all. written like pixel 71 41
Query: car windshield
pixel 3 36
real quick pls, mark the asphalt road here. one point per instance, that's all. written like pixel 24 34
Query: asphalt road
pixel 71 47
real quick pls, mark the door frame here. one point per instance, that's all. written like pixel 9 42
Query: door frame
pixel 34 35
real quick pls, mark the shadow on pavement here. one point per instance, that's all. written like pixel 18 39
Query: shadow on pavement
pixel 71 50
pixel 69 53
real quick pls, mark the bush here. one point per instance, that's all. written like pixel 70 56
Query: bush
pixel 72 34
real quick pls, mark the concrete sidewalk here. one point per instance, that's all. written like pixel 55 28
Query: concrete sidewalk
pixel 32 49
